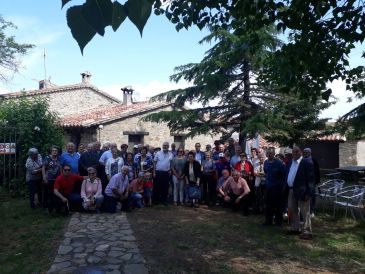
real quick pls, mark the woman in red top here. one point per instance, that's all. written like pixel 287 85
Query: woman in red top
pixel 246 169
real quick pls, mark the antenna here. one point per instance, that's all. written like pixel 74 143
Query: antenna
pixel 44 64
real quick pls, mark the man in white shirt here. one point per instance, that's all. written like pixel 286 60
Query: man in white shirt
pixel 161 174
pixel 299 182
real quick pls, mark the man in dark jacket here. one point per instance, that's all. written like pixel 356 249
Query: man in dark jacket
pixel 299 184
pixel 307 155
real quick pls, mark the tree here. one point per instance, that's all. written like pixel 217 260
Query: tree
pixel 9 51
pixel 230 74
pixel 320 34
pixel 37 127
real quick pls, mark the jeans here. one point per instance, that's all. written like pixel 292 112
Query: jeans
pixel 135 199
pixel 161 186
pixel 74 202
pixel 209 188
pixel 98 201
pixel 110 204
pixel 178 189
pixel 35 187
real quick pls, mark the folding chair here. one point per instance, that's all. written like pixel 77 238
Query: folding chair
pixel 328 190
pixel 352 198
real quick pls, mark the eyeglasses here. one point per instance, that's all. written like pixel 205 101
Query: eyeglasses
pixel 66 169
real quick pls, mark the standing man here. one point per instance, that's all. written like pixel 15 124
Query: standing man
pixel 70 158
pixel 173 150
pixel 123 152
pixel 236 158
pixel 161 174
pixel 300 184
pixel 307 155
pixel 275 178
pixel 230 147
pixel 88 159
pixel 199 155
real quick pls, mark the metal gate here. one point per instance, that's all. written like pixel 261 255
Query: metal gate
pixel 10 154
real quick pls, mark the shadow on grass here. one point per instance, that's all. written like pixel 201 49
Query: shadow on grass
pixel 186 240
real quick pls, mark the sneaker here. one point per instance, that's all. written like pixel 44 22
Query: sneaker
pixel 312 215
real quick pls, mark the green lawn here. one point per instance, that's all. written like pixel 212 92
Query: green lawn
pixel 29 238
pixel 186 240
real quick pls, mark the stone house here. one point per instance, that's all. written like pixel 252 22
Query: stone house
pixel 88 114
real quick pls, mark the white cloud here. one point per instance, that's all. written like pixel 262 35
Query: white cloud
pixel 342 106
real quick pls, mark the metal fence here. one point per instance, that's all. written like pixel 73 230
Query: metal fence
pixel 10 154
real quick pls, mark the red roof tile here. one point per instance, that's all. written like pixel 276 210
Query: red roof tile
pixel 109 113
pixel 333 137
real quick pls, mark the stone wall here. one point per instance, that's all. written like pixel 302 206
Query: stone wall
pixel 361 153
pixel 157 133
pixel 74 101
pixel 348 153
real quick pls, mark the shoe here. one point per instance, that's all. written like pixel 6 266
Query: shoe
pixel 306 236
pixel 293 232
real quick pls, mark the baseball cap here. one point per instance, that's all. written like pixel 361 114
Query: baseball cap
pixel 221 155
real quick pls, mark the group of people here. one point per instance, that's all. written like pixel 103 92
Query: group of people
pixel 99 177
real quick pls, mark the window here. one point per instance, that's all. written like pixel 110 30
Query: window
pixel 179 140
pixel 134 139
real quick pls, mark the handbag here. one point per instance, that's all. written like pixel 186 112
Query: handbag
pixel 194 192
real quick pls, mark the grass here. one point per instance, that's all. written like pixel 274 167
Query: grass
pixel 29 238
pixel 185 240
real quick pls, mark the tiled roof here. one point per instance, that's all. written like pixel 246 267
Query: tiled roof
pixel 58 89
pixel 109 113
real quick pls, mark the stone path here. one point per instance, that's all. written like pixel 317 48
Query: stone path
pixel 99 243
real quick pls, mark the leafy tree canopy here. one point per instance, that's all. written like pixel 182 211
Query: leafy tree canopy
pixel 320 35
pixel 36 126
pixel 229 74
pixel 10 50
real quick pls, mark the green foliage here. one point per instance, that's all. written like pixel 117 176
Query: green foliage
pixel 10 50
pixel 320 35
pixel 229 75
pixel 36 126
pixel 353 123
pixel 94 16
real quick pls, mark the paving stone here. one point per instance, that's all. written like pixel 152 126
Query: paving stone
pixel 102 247
pixel 104 240
pixel 114 272
pixel 135 269
pixel 115 254
pixel 64 249
pixel 93 260
pixel 110 267
pixel 80 255
pixel 126 257
pixel 79 249
pixel 57 267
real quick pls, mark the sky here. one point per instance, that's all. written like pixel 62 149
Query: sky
pixel 118 59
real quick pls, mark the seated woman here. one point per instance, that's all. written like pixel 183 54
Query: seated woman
pixel 236 191
pixel 91 191
pixel 192 173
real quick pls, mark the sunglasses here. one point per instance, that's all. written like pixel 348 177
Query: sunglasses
pixel 67 169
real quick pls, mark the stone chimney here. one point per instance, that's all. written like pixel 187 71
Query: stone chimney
pixel 85 77
pixel 127 95
pixel 42 84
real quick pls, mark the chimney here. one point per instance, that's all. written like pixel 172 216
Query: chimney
pixel 86 76
pixel 42 84
pixel 127 95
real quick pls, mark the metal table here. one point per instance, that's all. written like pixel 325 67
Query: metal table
pixel 354 172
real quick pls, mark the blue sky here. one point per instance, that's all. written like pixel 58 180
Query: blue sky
pixel 117 59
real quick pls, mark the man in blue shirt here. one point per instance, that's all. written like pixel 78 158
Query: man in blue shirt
pixel 70 158
pixel 199 155
pixel 275 178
